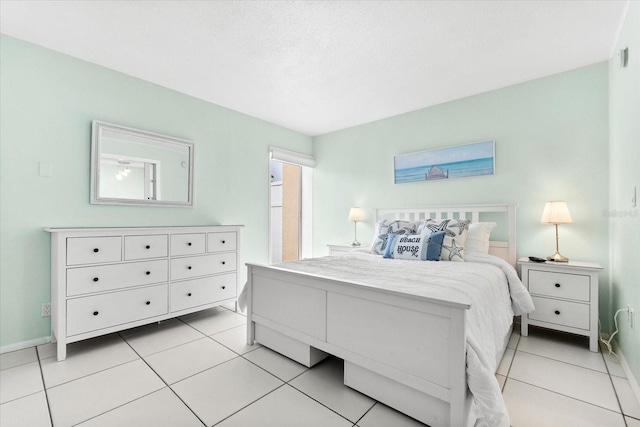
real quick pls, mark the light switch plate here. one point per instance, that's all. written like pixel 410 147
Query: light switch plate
pixel 45 169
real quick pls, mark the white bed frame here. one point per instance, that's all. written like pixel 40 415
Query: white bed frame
pixel 406 351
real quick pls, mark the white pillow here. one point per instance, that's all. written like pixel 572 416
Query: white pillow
pixel 478 238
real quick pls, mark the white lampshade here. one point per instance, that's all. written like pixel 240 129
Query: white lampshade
pixel 556 212
pixel 355 214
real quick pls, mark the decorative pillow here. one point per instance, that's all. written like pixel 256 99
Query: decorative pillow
pixel 478 238
pixel 424 247
pixel 434 246
pixel 384 228
pixel 455 236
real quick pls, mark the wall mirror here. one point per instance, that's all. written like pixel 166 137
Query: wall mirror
pixel 135 167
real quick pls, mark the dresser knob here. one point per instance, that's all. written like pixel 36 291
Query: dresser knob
pixel 224 262
pixel 189 244
pixel 95 279
pixel 95 313
pixel 224 287
pixel 96 250
pixel 148 273
pixel 557 312
pixel 189 294
pixel 557 285
pixel 147 247
pixel 189 268
pixel 148 302
pixel 223 242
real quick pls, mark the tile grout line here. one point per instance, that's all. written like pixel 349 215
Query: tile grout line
pixel 164 382
pixel 615 390
pixel 44 387
pixel 564 395
pixel 567 363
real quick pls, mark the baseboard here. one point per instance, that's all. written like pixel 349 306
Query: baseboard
pixel 24 344
pixel 627 370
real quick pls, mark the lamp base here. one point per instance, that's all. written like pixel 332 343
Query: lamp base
pixel 355 243
pixel 557 257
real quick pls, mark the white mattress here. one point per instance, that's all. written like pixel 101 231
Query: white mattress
pixel 489 284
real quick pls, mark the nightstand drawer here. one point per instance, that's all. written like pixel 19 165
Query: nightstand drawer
pixel 573 314
pixel 559 285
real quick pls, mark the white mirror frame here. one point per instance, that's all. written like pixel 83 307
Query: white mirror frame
pixel 97 127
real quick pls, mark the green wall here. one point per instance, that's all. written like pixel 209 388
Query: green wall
pixel 551 139
pixel 625 174
pixel 47 103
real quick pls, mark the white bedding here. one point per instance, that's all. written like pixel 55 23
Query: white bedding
pixel 488 283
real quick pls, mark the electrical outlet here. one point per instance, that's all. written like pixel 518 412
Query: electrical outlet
pixel 630 316
pixel 45 309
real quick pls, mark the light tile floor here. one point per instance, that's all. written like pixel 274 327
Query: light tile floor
pixel 198 371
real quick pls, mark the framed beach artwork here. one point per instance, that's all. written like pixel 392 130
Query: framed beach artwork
pixel 459 161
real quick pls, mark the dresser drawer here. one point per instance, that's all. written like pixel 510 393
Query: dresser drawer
pixel 206 290
pixel 220 242
pixel 559 285
pixel 144 247
pixel 90 250
pixel 99 278
pixel 573 314
pixel 187 244
pixel 102 311
pixel 186 268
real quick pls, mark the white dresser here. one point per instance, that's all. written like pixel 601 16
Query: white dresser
pixel 108 279
pixel 565 295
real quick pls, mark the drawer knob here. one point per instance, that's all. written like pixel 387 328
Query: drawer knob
pixel 189 244
pixel 557 312
pixel 95 313
pixel 148 273
pixel 224 287
pixel 96 250
pixel 189 294
pixel 189 268
pixel 148 247
pixel 224 262
pixel 95 279
pixel 223 242
pixel 148 302
pixel 557 285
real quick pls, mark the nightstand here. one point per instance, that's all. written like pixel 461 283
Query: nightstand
pixel 565 295
pixel 337 250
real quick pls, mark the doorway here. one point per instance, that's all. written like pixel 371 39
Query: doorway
pixel 286 213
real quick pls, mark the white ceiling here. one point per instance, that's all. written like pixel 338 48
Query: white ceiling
pixel 320 66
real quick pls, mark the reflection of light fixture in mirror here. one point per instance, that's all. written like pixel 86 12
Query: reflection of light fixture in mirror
pixel 556 212
pixel 355 215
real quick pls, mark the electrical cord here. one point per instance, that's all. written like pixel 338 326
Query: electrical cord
pixel 608 342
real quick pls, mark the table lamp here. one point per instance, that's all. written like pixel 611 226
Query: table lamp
pixel 355 215
pixel 556 212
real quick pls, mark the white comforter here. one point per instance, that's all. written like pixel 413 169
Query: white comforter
pixel 488 283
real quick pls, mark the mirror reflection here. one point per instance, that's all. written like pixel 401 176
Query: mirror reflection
pixel 131 166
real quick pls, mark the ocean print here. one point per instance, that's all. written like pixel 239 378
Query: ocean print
pixel 446 163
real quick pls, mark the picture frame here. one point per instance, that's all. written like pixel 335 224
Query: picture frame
pixel 459 161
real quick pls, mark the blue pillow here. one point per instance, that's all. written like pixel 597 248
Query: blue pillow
pixel 434 246
pixel 391 240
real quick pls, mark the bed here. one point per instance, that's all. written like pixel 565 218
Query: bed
pixel 424 338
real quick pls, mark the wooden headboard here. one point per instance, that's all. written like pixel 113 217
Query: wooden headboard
pixel 503 215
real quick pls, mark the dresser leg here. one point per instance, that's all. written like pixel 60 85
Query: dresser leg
pixel 62 351
pixel 593 343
